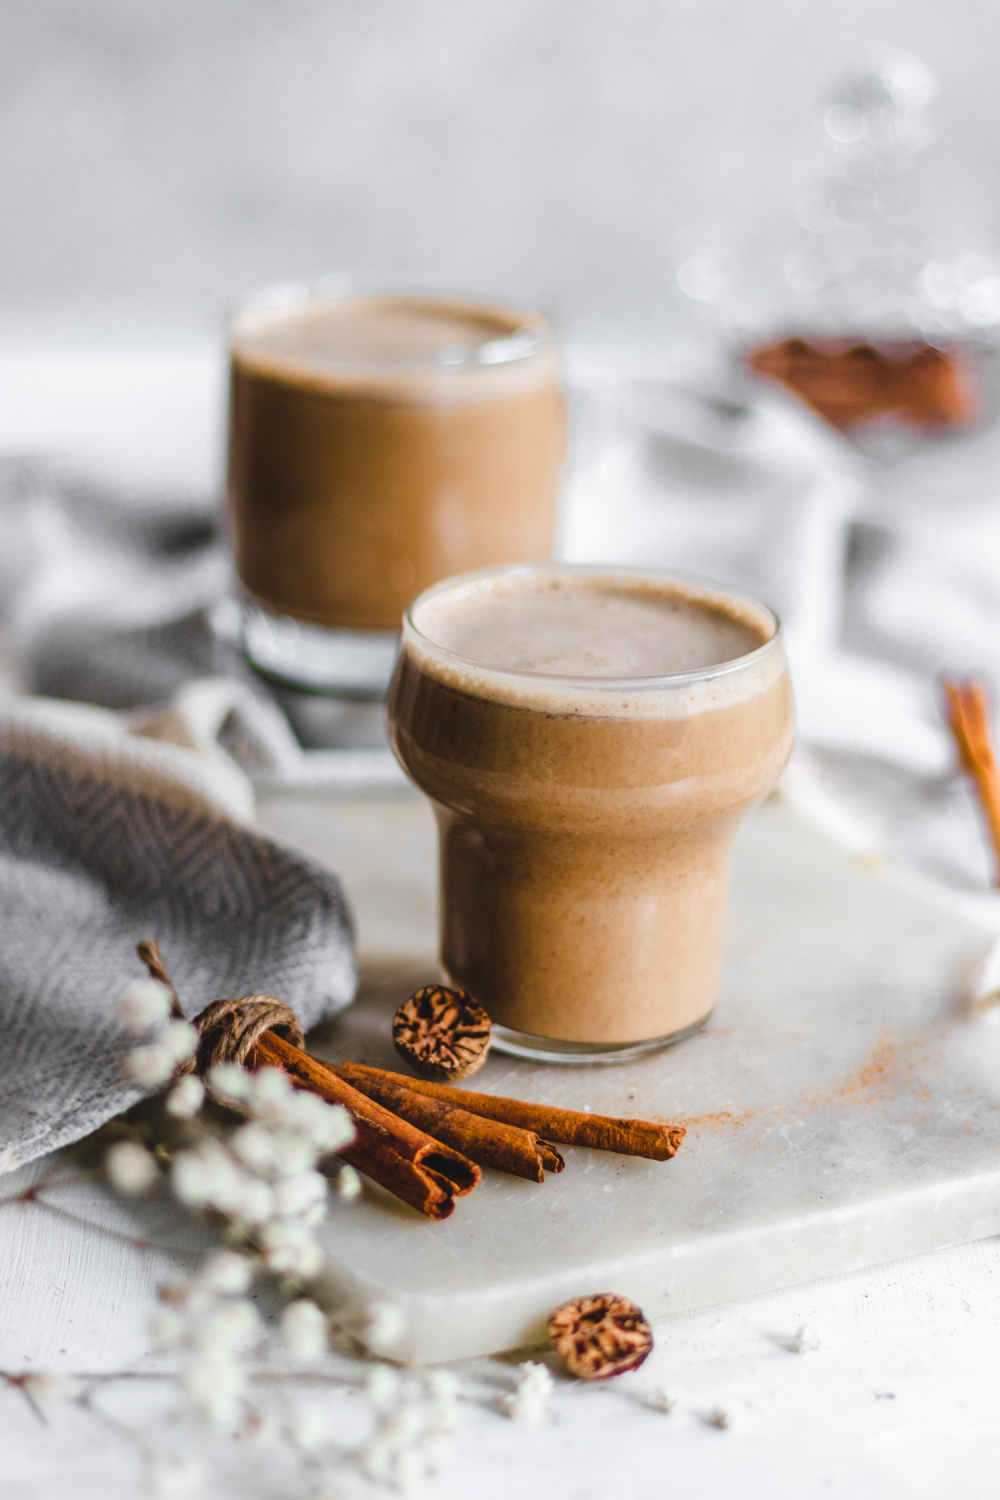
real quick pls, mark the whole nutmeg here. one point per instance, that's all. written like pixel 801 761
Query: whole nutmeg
pixel 600 1336
pixel 442 1033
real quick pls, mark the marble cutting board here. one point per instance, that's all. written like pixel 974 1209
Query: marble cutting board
pixel 841 1109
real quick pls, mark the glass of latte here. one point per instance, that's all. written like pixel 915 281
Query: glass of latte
pixel 590 739
pixel 378 442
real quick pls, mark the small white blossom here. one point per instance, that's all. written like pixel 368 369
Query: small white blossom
pixel 723 1416
pixel 166 1328
pixel 170 1478
pixel 180 1039
pixel 254 1203
pixel 348 1183
pixel 529 1400
pixel 304 1330
pixel 382 1386
pixel 327 1127
pixel 663 1400
pixel 151 1066
pixel 384 1326
pixel 144 1004
pixel 289 1247
pixel 806 1341
pixel 309 1428
pixel 299 1193
pixel 230 1080
pixel 130 1168
pixel 442 1388
pixel 257 1146
pixel 186 1098
pixel 270 1093
pixel 226 1273
pixel 226 1327
pixel 215 1384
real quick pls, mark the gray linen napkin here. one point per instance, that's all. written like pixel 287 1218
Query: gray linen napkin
pixel 107 838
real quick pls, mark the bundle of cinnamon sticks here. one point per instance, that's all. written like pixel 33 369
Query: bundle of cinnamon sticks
pixel 425 1142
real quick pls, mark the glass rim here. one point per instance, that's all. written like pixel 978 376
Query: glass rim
pixel 531 333
pixel 709 592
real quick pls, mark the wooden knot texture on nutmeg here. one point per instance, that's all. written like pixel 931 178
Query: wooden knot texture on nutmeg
pixel 441 1032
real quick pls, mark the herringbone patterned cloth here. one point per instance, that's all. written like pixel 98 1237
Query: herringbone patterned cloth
pixel 105 839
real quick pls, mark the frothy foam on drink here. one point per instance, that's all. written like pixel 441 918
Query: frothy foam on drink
pixel 595 643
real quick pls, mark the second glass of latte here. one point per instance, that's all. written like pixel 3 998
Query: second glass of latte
pixel 590 740
pixel 379 441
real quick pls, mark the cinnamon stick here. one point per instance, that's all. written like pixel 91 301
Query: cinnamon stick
pixel 568 1126
pixel 969 721
pixel 491 1143
pixel 424 1172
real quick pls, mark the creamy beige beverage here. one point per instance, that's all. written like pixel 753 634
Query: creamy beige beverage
pixel 380 443
pixel 590 740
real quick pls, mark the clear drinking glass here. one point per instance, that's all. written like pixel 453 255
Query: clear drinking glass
pixel 586 822
pixel 380 440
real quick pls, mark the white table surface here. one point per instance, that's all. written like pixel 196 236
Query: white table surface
pixel 900 1398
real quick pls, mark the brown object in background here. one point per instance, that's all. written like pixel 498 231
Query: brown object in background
pixel 600 1336
pixel 443 1033
pixel 850 382
pixel 969 721
pixel 568 1126
pixel 489 1143
pixel 422 1171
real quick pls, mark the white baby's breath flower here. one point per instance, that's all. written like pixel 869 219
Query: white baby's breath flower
pixel 230 1080
pixel 130 1168
pixel 308 1428
pixel 291 1248
pixel 166 1328
pixel 253 1204
pixel 258 1146
pixel 348 1183
pixel 663 1400
pixel 226 1273
pixel 180 1039
pixel 384 1326
pixel 382 1387
pixel 228 1326
pixel 151 1066
pixel 186 1098
pixel 270 1092
pixel 529 1400
pixel 294 1153
pixel 442 1388
pixel 724 1415
pixel 144 1004
pixel 806 1340
pixel 299 1193
pixel 215 1384
pixel 304 1330
pixel 327 1127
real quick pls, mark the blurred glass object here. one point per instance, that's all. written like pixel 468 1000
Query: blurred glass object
pixel 859 305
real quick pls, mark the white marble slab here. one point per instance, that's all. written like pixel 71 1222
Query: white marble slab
pixel 841 1111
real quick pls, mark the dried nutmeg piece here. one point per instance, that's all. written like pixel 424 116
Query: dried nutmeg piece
pixel 442 1032
pixel 600 1336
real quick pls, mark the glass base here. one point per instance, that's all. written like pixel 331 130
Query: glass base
pixel 342 663
pixel 546 1049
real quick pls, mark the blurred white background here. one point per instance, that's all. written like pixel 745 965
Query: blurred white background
pixel 155 159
